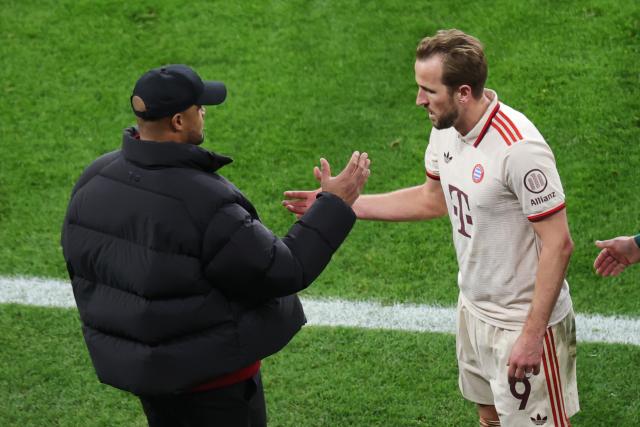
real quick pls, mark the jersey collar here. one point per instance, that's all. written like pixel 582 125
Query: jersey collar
pixel 475 135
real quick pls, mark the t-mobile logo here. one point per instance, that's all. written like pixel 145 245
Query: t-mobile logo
pixel 459 210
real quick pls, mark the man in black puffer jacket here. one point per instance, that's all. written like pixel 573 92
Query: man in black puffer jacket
pixel 181 290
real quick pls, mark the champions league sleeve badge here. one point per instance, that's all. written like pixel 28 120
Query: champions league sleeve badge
pixel 535 181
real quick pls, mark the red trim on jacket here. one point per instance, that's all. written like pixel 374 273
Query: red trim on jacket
pixel 230 379
pixel 538 217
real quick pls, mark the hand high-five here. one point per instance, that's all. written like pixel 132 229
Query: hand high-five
pixel 347 185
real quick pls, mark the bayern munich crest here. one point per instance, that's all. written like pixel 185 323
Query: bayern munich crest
pixel 478 173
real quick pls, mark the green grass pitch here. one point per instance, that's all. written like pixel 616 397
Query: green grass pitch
pixel 312 78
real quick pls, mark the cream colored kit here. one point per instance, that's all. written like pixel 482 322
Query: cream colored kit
pixel 497 180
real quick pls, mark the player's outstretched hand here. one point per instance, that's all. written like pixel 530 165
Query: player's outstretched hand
pixel 299 201
pixel 347 185
pixel 616 255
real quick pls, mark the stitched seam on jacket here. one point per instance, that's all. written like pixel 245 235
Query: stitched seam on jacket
pixel 147 190
pixel 96 174
pixel 272 255
pixel 227 240
pixel 86 227
pixel 110 178
pixel 319 233
pixel 132 292
pixel 178 340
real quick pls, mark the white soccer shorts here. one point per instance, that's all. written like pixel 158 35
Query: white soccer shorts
pixel 547 399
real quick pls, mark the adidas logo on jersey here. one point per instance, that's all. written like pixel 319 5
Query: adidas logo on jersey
pixel 538 420
pixel 447 157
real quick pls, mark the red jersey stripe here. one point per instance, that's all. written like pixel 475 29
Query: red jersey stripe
pixel 504 125
pixel 485 128
pixel 554 374
pixel 433 176
pixel 563 412
pixel 549 386
pixel 538 217
pixel 496 127
pixel 504 116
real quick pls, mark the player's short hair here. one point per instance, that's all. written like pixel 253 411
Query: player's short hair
pixel 463 60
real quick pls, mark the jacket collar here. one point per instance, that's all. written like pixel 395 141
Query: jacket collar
pixel 169 154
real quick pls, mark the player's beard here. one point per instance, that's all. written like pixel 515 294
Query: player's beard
pixel 447 119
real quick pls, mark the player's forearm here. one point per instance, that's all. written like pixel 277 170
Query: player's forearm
pixel 552 268
pixel 408 204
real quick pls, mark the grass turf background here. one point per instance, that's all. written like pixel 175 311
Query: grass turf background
pixel 313 78
pixel 325 377
pixel 309 79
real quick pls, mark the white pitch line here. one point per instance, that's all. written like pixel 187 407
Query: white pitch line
pixel 334 312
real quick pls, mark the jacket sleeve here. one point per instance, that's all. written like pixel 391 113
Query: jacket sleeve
pixel 248 260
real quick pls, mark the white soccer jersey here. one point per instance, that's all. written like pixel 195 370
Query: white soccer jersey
pixel 497 179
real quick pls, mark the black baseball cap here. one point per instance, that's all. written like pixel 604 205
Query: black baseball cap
pixel 167 90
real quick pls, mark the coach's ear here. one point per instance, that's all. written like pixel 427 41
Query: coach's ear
pixel 177 122
pixel 464 94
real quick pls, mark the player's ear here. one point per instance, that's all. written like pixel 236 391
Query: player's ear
pixel 464 93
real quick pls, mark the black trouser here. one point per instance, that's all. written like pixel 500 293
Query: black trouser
pixel 238 405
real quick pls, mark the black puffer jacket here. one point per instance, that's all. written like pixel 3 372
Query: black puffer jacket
pixel 176 279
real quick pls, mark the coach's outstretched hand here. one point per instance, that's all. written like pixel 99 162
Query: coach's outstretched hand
pixel 347 185
pixel 616 255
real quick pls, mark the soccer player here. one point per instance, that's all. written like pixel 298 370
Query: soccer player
pixel 617 254
pixel 492 172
